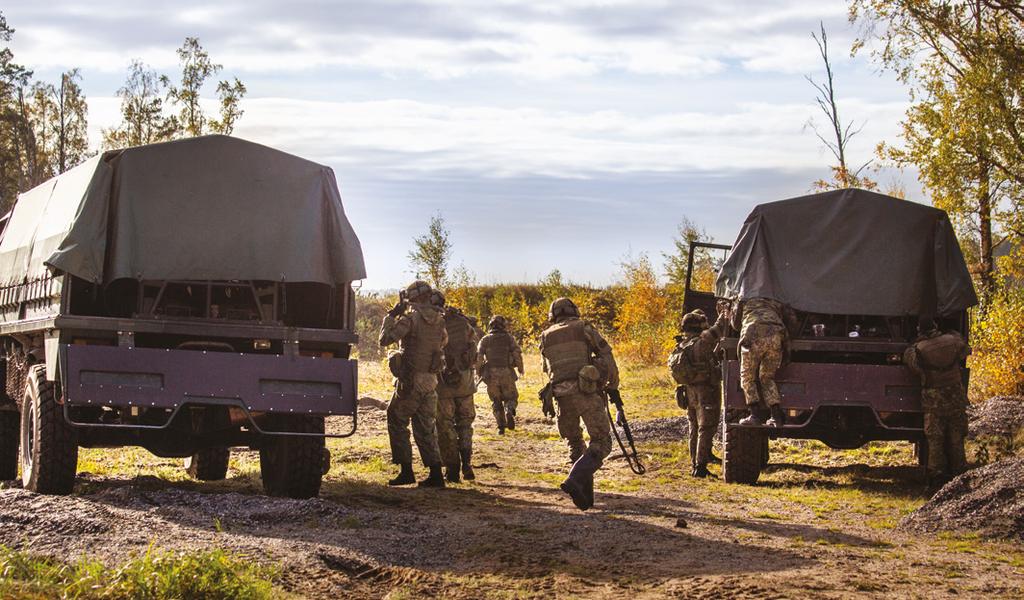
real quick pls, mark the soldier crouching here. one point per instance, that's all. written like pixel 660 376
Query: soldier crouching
pixel 418 329
pixel 582 369
pixel 498 359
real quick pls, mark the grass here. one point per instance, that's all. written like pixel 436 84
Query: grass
pixel 211 574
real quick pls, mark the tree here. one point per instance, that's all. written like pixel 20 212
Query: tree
pixel 645 331
pixel 17 140
pixel 70 122
pixel 842 175
pixel 964 63
pixel 230 95
pixel 196 68
pixel 432 252
pixel 142 110
pixel 678 261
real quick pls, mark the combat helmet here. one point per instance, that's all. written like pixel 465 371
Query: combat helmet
pixel 437 299
pixel 562 307
pixel 418 291
pixel 497 323
pixel 694 320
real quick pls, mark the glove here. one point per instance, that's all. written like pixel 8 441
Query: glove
pixel 398 309
pixel 614 397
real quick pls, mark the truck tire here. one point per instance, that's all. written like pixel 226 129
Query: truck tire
pixel 292 466
pixel 744 454
pixel 49 457
pixel 210 464
pixel 764 453
pixel 10 439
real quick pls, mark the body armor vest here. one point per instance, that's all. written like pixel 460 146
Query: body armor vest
pixel 457 354
pixel 421 349
pixel 566 349
pixel 499 350
pixel 940 357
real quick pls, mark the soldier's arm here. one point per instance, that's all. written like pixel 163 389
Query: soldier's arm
pixel 737 315
pixel 471 334
pixel 543 360
pixel 394 329
pixel 910 359
pixel 710 336
pixel 603 350
pixel 481 354
pixel 517 356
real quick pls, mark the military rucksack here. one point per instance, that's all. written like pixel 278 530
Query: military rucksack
pixel 459 353
pixel 686 368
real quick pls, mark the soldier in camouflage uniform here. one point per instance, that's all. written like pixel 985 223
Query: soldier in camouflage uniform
pixel 418 329
pixel 936 357
pixel 695 367
pixel 582 370
pixel 498 359
pixel 762 323
pixel 455 409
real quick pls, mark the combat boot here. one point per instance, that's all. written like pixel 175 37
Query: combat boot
pixel 778 418
pixel 499 416
pixel 755 418
pixel 701 471
pixel 510 420
pixel 580 482
pixel 434 480
pixel 405 475
pixel 452 473
pixel 467 465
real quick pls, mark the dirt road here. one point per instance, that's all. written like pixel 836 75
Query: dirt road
pixel 820 525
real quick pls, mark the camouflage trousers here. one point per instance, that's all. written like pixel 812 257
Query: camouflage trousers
pixel 501 389
pixel 760 358
pixel 945 427
pixel 704 413
pixel 455 427
pixel 409 405
pixel 591 409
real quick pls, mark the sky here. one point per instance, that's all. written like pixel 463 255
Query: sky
pixel 568 134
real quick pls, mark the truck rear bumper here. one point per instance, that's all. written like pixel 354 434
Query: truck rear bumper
pixel 145 378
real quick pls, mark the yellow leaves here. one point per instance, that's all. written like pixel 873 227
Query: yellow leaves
pixel 997 338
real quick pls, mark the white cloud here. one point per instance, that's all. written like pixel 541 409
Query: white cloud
pixel 417 137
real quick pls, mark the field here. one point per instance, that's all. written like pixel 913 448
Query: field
pixel 821 524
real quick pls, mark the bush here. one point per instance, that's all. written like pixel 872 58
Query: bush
pixel 996 336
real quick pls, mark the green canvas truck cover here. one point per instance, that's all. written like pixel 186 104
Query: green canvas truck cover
pixel 850 251
pixel 206 208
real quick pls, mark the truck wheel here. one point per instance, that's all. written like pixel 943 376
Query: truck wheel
pixel 210 464
pixel 10 426
pixel 744 454
pixel 292 466
pixel 49 456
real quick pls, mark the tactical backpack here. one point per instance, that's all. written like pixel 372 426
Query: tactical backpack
pixel 685 369
pixel 460 354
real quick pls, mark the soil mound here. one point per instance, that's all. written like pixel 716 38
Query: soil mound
pixel 998 416
pixel 989 500
pixel 663 429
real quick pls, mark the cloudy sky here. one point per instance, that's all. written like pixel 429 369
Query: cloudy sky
pixel 564 134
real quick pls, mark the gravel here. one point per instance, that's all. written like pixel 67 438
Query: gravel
pixel 999 416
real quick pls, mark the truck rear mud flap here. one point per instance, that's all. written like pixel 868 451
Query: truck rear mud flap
pixel 140 379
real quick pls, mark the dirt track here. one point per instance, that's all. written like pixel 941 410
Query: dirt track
pixel 809 531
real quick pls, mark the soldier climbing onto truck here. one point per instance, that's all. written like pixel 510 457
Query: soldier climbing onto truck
pixel 764 326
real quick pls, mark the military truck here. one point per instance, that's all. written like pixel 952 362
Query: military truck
pixel 858 268
pixel 186 297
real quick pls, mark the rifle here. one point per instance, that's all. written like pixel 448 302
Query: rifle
pixel 631 455
pixel 547 400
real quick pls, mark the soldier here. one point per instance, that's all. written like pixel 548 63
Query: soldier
pixel 762 323
pixel 582 371
pixel 695 367
pixel 936 357
pixel 498 359
pixel 418 329
pixel 455 409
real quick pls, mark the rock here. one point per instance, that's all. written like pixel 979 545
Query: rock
pixel 988 500
pixel 681 523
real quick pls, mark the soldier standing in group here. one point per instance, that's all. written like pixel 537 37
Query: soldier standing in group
pixel 418 329
pixel 762 323
pixel 455 409
pixel 936 357
pixel 498 359
pixel 582 371
pixel 695 367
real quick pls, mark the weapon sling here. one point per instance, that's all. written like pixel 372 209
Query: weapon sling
pixel 631 455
